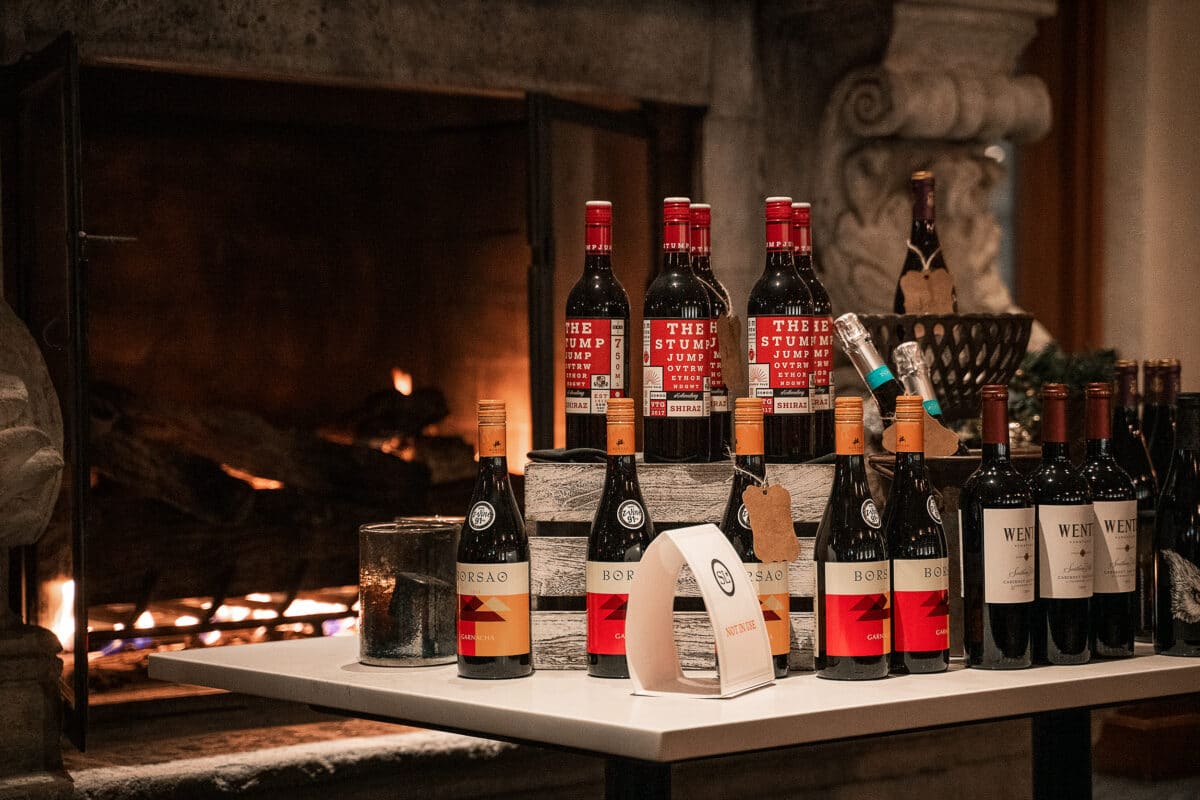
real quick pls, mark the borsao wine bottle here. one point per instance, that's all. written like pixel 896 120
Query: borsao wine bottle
pixel 916 544
pixel 719 425
pixel 821 387
pixel 998 530
pixel 852 602
pixel 676 349
pixel 597 350
pixel 1177 541
pixel 621 531
pixel 1114 584
pixel 1129 448
pixel 779 342
pixel 1066 539
pixel 1161 441
pixel 493 565
pixel 857 345
pixel 770 579
pixel 924 251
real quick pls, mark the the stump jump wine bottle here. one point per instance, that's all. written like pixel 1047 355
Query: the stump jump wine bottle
pixel 493 565
pixel 924 252
pixel 1066 539
pixel 998 548
pixel 852 603
pixel 676 349
pixel 770 579
pixel 780 342
pixel 1177 541
pixel 1129 449
pixel 916 544
pixel 719 426
pixel 597 349
pixel 621 531
pixel 821 387
pixel 874 371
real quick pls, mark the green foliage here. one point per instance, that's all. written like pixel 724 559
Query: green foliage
pixel 1052 365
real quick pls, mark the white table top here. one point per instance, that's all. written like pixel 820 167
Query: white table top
pixel 567 708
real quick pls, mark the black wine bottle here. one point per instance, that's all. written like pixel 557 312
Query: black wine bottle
pixel 998 530
pixel 771 578
pixel 1066 537
pixel 596 351
pixel 493 565
pixel 621 531
pixel 779 343
pixel 1161 441
pixel 917 546
pixel 924 251
pixel 1177 541
pixel 719 424
pixel 852 605
pixel 876 374
pixel 1114 586
pixel 676 400
pixel 1129 448
pixel 821 387
pixel 1152 381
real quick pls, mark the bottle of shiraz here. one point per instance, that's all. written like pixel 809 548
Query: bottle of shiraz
pixel 822 325
pixel 1129 449
pixel 874 371
pixel 924 252
pixel 1177 541
pixel 719 426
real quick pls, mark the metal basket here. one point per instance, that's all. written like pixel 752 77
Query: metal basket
pixel 964 351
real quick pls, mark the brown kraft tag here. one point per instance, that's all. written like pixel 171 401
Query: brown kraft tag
pixel 770 510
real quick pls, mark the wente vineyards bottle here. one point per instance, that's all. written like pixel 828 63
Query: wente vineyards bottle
pixel 1177 541
pixel 621 531
pixel 916 543
pixel 999 549
pixel 1161 409
pixel 779 342
pixel 770 579
pixel 1129 448
pixel 493 565
pixel 719 428
pixel 597 351
pixel 1066 528
pixel 924 250
pixel 852 605
pixel 874 371
pixel 1114 585
pixel 821 387
pixel 676 349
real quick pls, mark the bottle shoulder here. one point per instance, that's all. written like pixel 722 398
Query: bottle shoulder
pixel 779 292
pixel 996 486
pixel 1107 481
pixel 600 295
pixel 677 294
pixel 1058 483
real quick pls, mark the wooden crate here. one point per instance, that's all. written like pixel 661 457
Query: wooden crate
pixel 560 501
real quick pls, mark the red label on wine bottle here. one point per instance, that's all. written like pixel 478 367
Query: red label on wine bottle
pixel 595 364
pixel 780 351
pixel 858 614
pixel 676 358
pixel 716 380
pixel 822 363
pixel 493 609
pixel 921 598
pixel 607 597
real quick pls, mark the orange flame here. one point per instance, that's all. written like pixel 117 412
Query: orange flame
pixel 261 484
pixel 403 381
pixel 62 620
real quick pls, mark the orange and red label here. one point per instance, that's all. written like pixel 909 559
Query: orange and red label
pixel 493 609
pixel 857 608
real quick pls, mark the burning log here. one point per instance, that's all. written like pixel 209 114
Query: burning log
pixel 392 413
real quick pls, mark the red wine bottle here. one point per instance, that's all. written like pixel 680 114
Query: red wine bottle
pixel 1129 448
pixel 1161 441
pixel 924 251
pixel 676 349
pixel 998 527
pixel 719 426
pixel 1177 540
pixel 1152 380
pixel 779 343
pixel 770 579
pixel 916 543
pixel 1066 538
pixel 493 565
pixel 852 606
pixel 621 532
pixel 597 351
pixel 857 345
pixel 821 387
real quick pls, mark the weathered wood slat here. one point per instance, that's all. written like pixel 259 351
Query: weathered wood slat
pixel 558 563
pixel 695 492
pixel 560 640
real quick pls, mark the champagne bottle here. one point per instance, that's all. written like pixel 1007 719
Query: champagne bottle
pixel 1177 541
pixel 596 351
pixel 852 603
pixel 675 349
pixel 858 347
pixel 1129 448
pixel 916 543
pixel 719 425
pixel 621 531
pixel 770 579
pixel 1066 526
pixel 913 373
pixel 779 343
pixel 493 565
pixel 1114 606
pixel 822 325
pixel 924 251
pixel 997 524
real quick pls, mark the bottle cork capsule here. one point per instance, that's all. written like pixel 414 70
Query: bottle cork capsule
pixel 748 410
pixel 620 410
pixel 848 409
pixel 910 408
pixel 492 412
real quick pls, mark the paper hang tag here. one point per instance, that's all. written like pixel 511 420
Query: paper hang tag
pixel 770 510
pixel 929 292
pixel 733 354
pixel 939 440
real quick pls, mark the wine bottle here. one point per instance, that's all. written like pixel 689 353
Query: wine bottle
pixel 779 342
pixel 1066 526
pixel 916 543
pixel 852 604
pixel 1129 448
pixel 924 252
pixel 857 345
pixel 1162 436
pixel 676 399
pixel 621 532
pixel 597 351
pixel 821 387
pixel 1114 587
pixel 719 425
pixel 771 578
pixel 1153 382
pixel 493 565
pixel 998 530
pixel 1177 540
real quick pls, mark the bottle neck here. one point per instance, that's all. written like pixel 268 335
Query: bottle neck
pixel 996 452
pixel 804 264
pixel 1055 451
pixel 493 467
pixel 676 241
pixel 779 262
pixel 1099 449
pixel 702 265
pixel 622 464
pixel 1126 396
pixel 923 236
pixel 754 463
pixel 597 262
pixel 677 261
